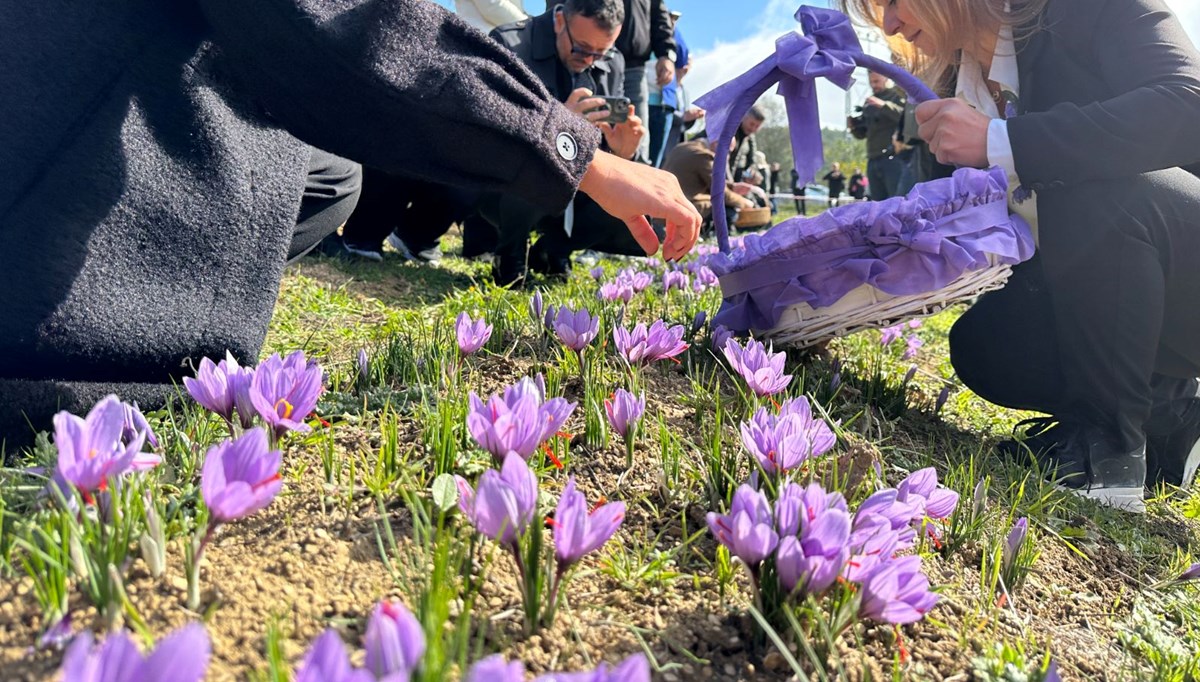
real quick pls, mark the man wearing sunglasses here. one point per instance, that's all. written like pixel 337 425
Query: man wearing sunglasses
pixel 570 49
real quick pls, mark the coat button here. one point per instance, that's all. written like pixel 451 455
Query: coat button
pixel 566 146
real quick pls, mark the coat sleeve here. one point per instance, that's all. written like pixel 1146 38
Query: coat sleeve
pixel 1141 51
pixel 662 36
pixel 500 12
pixel 407 87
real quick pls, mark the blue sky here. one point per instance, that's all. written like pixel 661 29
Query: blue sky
pixel 727 38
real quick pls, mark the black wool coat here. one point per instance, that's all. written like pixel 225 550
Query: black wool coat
pixel 155 157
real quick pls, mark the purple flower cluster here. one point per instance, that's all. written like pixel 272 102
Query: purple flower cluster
pixel 282 391
pixel 504 503
pixel 181 656
pixel 627 283
pixel 913 343
pixel 518 421
pixel 394 643
pixel 642 345
pixel 813 541
pixel 782 442
pixel 494 669
pixel 761 368
pixel 675 279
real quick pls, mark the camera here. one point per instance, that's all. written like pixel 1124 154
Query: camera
pixel 618 109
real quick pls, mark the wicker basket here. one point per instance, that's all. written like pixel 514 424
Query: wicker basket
pixel 830 49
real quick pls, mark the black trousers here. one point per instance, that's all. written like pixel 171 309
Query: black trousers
pixel 331 193
pixel 1105 320
pixel 419 212
pixel 516 220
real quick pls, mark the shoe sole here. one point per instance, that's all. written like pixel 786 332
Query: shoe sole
pixel 1190 465
pixel 1123 499
pixel 366 255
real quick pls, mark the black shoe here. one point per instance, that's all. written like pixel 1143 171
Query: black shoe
pixel 1173 442
pixel 1034 438
pixel 429 254
pixel 509 271
pixel 1090 464
pixel 554 267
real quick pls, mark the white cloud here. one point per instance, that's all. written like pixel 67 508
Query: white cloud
pixel 725 61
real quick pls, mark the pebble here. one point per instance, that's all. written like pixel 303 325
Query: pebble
pixel 322 534
pixel 311 549
pixel 670 677
pixel 178 582
pixel 730 670
pixel 774 661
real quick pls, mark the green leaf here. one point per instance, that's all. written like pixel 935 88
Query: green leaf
pixel 445 492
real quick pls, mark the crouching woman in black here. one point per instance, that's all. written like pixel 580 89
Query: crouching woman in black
pixel 1091 106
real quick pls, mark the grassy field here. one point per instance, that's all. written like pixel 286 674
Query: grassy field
pixel 368 512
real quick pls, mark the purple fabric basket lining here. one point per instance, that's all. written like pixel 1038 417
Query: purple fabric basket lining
pixel 905 245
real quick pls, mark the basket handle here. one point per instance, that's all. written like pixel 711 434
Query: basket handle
pixel 829 48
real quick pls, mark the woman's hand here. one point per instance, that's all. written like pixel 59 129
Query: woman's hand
pixel 631 191
pixel 955 132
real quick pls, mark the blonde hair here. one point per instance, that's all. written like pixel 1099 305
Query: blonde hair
pixel 945 22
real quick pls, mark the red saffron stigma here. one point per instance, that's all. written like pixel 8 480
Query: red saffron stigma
pixel 553 460
pixel 1002 600
pixel 904 656
pixel 599 503
pixel 775 403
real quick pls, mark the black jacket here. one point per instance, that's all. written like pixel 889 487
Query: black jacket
pixel 1109 89
pixel 647 31
pixel 533 42
pixel 155 156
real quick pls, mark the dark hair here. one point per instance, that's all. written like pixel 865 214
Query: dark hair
pixel 609 14
pixel 757 113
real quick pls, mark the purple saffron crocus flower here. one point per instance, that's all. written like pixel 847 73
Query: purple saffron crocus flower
pixel 748 530
pixel 578 532
pixel 211 386
pixel 181 656
pixel 820 436
pixel 889 334
pixel 720 336
pixel 920 490
pixel 797 506
pixel 761 368
pixel 698 323
pixel 642 345
pixel 897 593
pixel 240 477
pixel 616 290
pixel 1192 573
pixel 942 397
pixel 472 334
pixel 394 642
pixel 1012 544
pixel 873 542
pixel 537 307
pixel 517 422
pixel 777 442
pixel 885 504
pixel 633 669
pixel 1051 674
pixel 912 344
pixel 90 451
pixel 675 279
pixel 624 411
pixel 576 329
pixel 285 390
pixel 136 423
pixel 597 273
pixel 813 561
pixel 908 376
pixel 505 501
pixel 327 661
pixel 495 669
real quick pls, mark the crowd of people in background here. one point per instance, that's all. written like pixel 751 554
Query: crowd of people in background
pixel 589 54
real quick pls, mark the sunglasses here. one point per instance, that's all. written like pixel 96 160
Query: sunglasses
pixel 575 47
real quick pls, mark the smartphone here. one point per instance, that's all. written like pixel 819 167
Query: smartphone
pixel 618 109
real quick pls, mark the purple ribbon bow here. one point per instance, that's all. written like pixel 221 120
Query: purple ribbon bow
pixel 828 48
